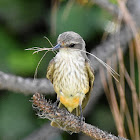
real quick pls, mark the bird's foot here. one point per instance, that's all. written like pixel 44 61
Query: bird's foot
pixel 55 104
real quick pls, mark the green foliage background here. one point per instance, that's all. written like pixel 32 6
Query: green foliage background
pixel 22 25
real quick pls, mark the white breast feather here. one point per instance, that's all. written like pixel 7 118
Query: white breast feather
pixel 71 67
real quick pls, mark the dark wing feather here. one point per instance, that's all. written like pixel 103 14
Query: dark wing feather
pixel 49 75
pixel 90 72
pixel 91 81
pixel 50 70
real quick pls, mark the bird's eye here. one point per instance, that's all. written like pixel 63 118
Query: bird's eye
pixel 71 45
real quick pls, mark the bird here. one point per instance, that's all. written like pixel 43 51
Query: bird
pixel 71 73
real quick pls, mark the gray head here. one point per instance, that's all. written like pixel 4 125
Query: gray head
pixel 70 40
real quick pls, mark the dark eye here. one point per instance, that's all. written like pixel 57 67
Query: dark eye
pixel 71 45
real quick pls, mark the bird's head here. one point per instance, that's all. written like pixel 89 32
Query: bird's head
pixel 70 40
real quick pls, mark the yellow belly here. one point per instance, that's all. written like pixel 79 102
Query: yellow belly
pixel 70 103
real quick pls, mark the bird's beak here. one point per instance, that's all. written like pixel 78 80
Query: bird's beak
pixel 58 46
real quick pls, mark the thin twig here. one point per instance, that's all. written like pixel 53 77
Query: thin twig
pixel 115 106
pixel 121 91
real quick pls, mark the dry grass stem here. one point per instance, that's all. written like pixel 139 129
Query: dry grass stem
pixel 130 22
pixel 135 101
pixel 121 112
pixel 116 112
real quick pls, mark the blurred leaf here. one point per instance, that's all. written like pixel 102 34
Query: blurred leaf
pixel 113 2
pixel 7 45
pixel 21 13
pixel 102 117
pixel 22 62
pixel 16 119
pixel 81 19
pixel 15 59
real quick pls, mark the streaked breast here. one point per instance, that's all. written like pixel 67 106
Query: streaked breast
pixel 70 76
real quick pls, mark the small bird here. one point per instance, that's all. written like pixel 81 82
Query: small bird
pixel 71 73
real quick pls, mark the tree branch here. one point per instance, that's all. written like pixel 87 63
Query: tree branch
pixel 67 121
pixel 24 85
